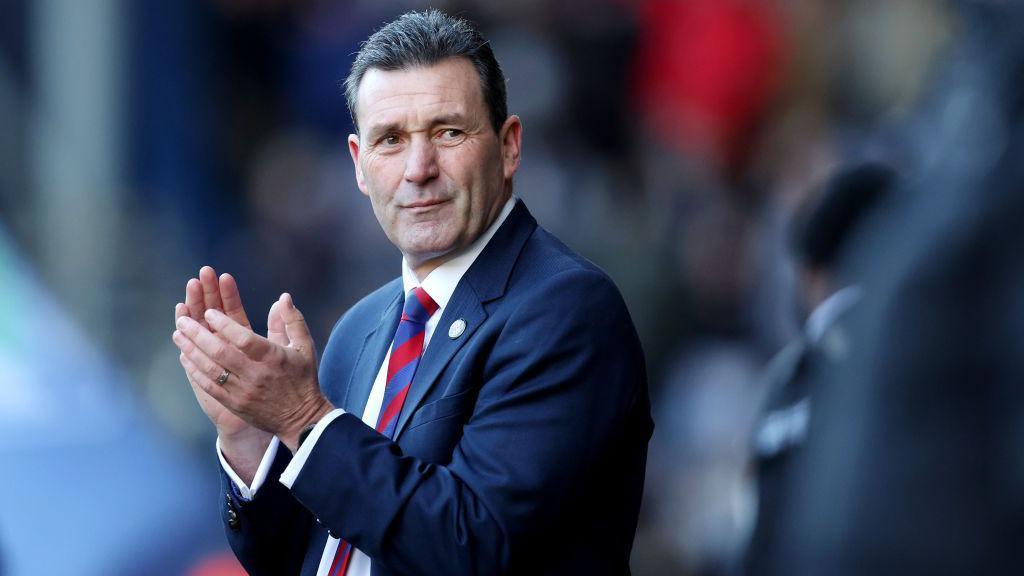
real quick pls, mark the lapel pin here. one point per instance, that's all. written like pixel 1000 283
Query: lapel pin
pixel 457 328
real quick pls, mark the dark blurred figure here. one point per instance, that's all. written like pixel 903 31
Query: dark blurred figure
pixel 821 229
pixel 820 233
pixel 914 457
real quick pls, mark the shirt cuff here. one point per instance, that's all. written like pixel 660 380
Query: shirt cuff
pixel 291 473
pixel 249 492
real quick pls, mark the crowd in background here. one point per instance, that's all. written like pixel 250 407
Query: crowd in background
pixel 670 141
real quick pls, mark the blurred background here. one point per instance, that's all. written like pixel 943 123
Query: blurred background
pixel 673 142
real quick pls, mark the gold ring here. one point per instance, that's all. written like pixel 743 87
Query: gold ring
pixel 223 378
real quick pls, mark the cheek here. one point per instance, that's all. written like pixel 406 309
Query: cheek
pixel 380 180
pixel 480 184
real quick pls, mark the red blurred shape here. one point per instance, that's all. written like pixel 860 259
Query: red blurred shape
pixel 218 564
pixel 705 72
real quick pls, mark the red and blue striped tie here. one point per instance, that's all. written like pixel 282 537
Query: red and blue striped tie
pixel 406 350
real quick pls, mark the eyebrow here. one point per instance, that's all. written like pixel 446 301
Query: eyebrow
pixel 375 130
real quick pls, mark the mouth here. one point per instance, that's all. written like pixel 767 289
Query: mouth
pixel 423 205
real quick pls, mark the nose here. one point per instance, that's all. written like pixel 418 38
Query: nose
pixel 421 164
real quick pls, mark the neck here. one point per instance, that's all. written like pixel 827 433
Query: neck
pixel 423 269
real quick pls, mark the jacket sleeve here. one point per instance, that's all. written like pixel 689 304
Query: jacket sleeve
pixel 269 533
pixel 555 388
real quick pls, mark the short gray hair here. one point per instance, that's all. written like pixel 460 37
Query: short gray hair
pixel 424 39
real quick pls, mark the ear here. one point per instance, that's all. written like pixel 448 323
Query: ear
pixel 353 149
pixel 511 144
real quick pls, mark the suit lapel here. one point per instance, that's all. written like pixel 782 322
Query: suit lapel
pixel 465 305
pixel 485 280
pixel 371 356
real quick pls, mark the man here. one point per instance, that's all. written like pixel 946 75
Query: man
pixel 823 229
pixel 914 459
pixel 486 413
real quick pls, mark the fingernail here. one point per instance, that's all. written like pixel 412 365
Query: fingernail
pixel 287 298
pixel 210 315
pixel 182 322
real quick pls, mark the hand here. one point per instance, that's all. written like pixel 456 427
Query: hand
pixel 272 385
pixel 207 293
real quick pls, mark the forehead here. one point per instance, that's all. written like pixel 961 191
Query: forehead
pixel 451 86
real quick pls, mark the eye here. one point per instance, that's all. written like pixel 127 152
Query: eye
pixel 390 140
pixel 451 134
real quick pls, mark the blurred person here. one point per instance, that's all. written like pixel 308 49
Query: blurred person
pixel 913 460
pixel 696 507
pixel 520 445
pixel 697 502
pixel 821 230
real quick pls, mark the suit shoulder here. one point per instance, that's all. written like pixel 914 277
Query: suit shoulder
pixel 547 264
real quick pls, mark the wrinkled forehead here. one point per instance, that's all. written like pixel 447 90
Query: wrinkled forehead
pixel 449 87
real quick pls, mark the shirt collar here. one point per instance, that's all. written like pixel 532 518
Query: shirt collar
pixel 440 284
pixel 825 315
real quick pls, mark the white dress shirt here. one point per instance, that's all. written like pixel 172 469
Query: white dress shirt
pixel 440 284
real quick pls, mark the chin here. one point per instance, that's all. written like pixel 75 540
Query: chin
pixel 428 249
pixel 428 239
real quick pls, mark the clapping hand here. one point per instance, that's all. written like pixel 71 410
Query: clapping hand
pixel 242 380
pixel 202 294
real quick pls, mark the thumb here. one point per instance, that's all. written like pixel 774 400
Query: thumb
pixel 295 324
pixel 275 325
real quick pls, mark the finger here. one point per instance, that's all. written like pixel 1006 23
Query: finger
pixel 197 357
pixel 200 381
pixel 174 339
pixel 211 288
pixel 194 300
pixel 180 311
pixel 275 325
pixel 201 395
pixel 244 339
pixel 232 300
pixel 219 350
pixel 295 325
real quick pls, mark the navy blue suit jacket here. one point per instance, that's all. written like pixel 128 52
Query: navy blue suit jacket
pixel 520 449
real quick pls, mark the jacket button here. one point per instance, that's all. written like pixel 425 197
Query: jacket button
pixel 233 521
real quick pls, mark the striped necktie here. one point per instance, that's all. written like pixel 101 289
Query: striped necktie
pixel 406 349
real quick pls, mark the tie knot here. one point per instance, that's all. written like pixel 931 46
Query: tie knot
pixel 419 306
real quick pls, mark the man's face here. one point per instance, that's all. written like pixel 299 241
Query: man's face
pixel 429 160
